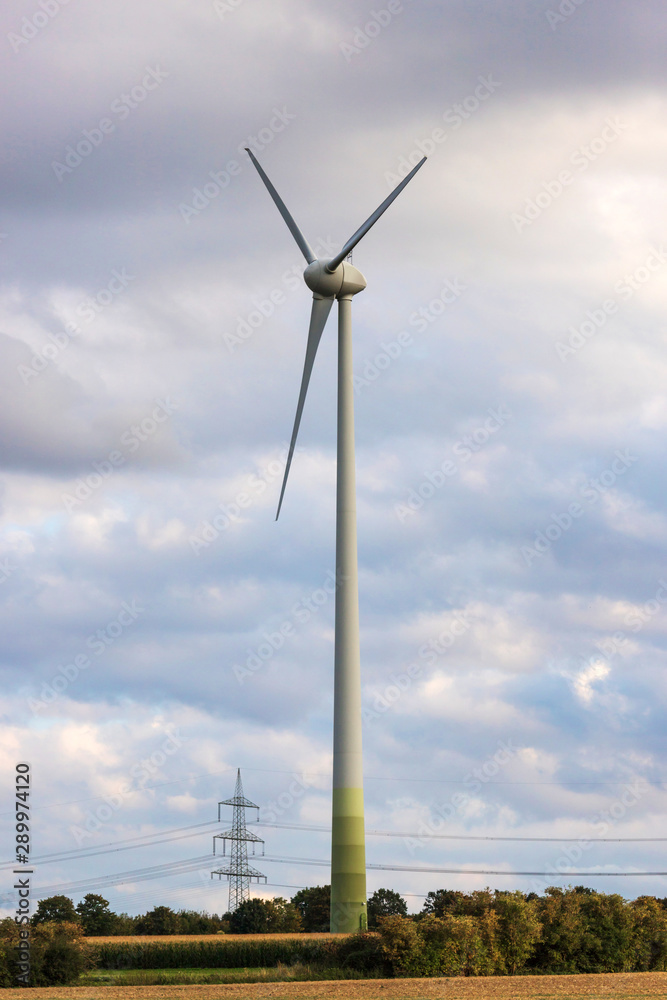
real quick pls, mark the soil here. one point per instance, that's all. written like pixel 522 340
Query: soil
pixel 606 986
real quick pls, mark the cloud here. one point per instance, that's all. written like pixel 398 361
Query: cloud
pixel 152 310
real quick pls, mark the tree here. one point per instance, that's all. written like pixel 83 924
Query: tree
pixel 385 903
pixel 251 917
pixel 518 929
pixel 95 915
pixel 196 922
pixel 457 903
pixel 124 924
pixel 284 916
pixel 476 903
pixel 584 931
pixel 607 945
pixel 649 933
pixel 441 902
pixel 314 905
pixel 563 930
pixel 159 920
pixel 59 909
pixel 265 916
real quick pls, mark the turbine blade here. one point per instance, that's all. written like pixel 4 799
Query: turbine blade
pixel 371 220
pixel 318 317
pixel 301 240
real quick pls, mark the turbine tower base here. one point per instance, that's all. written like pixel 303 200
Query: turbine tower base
pixel 348 862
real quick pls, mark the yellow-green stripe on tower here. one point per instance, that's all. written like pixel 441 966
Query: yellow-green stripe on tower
pixel 348 861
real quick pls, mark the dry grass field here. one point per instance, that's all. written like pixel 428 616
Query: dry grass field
pixel 618 986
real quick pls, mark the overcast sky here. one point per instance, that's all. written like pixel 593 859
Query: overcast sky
pixel 511 363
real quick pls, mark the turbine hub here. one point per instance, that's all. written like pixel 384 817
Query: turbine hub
pixel 345 281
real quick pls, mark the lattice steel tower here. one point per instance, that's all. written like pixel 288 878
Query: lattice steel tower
pixel 238 871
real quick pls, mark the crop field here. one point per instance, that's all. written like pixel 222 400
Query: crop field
pixel 167 938
pixel 606 986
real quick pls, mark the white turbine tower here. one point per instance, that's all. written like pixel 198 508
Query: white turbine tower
pixel 331 279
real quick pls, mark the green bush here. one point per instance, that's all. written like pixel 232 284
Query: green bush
pixel 464 945
pixel 5 970
pixel 57 953
pixel 400 945
pixel 361 952
pixel 439 946
pixel 435 950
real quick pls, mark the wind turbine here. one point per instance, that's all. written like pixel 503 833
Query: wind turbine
pixel 329 279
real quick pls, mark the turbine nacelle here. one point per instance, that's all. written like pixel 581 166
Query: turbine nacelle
pixel 345 280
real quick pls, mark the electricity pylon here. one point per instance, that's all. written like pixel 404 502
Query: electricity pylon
pixel 239 873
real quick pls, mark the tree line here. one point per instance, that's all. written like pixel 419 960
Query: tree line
pixel 573 930
pixel 477 933
pixel 307 911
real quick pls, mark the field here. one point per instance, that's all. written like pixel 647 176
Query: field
pixel 166 938
pixel 606 986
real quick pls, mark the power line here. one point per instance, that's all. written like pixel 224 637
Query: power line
pixel 116 846
pixel 462 871
pixel 122 878
pixel 478 871
pixel 177 833
pixel 465 836
pixel 487 781
pixel 188 890
pixel 134 843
